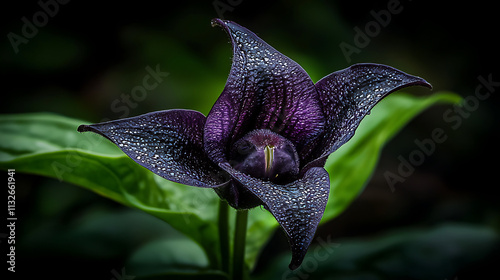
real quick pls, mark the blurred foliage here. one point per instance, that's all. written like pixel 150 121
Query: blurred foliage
pixel 91 55
pixel 427 254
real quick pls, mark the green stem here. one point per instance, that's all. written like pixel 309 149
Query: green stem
pixel 224 235
pixel 239 244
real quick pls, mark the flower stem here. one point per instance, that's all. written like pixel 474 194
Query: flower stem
pixel 239 244
pixel 224 235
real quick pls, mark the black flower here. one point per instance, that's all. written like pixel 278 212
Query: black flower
pixel 267 137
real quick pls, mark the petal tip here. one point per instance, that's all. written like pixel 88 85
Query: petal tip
pixel 83 128
pixel 293 266
pixel 217 22
pixel 297 259
pixel 413 80
pixel 424 83
pixel 214 22
pixel 419 82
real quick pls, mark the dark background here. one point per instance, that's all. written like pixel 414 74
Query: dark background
pixel 89 53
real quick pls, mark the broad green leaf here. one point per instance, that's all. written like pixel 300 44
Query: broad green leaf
pixel 38 133
pixel 351 166
pixel 49 145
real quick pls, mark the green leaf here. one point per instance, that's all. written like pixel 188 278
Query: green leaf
pixel 49 145
pixel 351 166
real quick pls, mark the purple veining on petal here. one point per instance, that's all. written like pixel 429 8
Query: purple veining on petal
pixel 264 90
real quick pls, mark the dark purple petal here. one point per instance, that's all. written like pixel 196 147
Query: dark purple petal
pixel 169 143
pixel 264 90
pixel 298 206
pixel 348 95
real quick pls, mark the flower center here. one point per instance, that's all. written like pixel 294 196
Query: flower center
pixel 266 155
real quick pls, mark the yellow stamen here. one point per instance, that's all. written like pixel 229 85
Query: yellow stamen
pixel 269 158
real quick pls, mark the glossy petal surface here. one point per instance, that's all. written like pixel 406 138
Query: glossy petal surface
pixel 264 90
pixel 169 143
pixel 298 206
pixel 348 95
